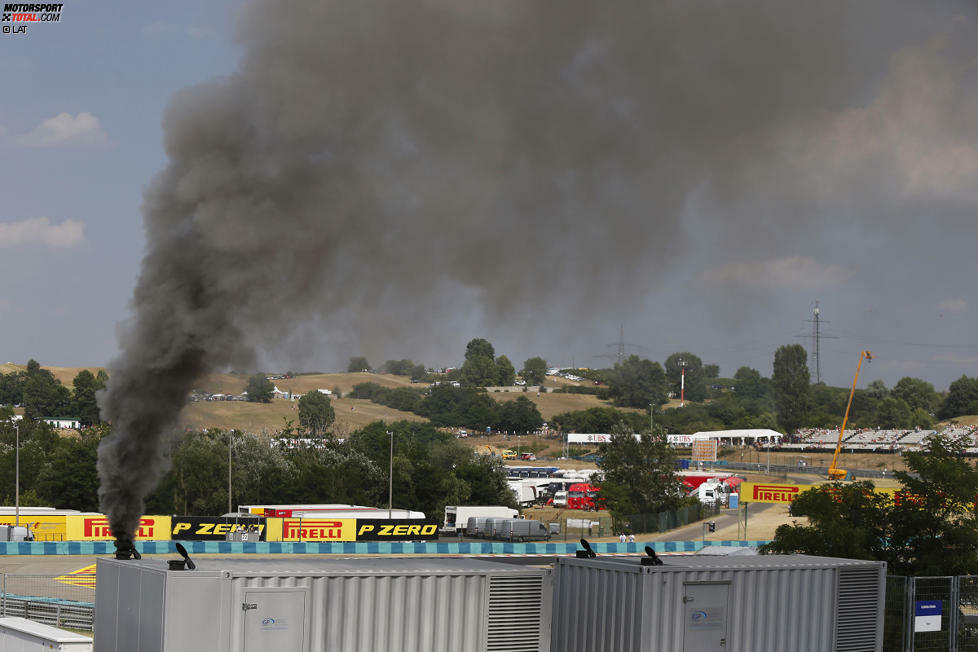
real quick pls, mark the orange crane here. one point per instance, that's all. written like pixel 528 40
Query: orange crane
pixel 836 473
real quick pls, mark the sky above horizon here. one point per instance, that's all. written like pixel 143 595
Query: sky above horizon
pixel 863 200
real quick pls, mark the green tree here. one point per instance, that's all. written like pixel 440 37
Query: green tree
pixel 917 393
pixel 316 412
pixel 962 398
pixel 931 530
pixel 479 368
pixel 44 395
pixel 639 475
pixel 519 416
pixel 479 348
pixel 877 390
pixel 534 371
pixel 636 382
pixel 505 372
pixel 259 389
pixel 695 382
pixel 894 413
pixel 12 388
pixel 711 371
pixel 84 405
pixel 358 363
pixel 748 383
pixel 478 371
pixel 791 386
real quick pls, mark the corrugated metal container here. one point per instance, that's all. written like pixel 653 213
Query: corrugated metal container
pixel 770 603
pixel 313 604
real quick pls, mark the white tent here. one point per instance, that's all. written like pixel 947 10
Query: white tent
pixel 741 437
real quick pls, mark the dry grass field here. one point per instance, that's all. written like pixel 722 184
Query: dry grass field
pixel 63 374
pixel 550 404
pixel 269 418
pixel 235 383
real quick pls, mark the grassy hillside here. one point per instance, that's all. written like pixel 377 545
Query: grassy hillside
pixel 550 404
pixel 63 374
pixel 351 414
pixel 235 383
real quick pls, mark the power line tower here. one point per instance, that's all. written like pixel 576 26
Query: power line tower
pixel 620 345
pixel 816 337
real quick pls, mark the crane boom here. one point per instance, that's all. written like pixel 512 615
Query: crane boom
pixel 836 473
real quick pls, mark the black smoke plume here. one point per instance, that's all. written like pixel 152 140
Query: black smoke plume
pixel 374 166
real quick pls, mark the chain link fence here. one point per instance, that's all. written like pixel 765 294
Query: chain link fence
pixel 957 629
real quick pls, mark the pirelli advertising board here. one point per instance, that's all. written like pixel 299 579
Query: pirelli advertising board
pixel 96 528
pixel 351 529
pixel 202 528
pixel 769 492
pixel 43 528
pixel 396 530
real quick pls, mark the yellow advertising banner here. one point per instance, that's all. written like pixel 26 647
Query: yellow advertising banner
pixel 318 529
pixel 769 492
pixel 44 528
pixel 96 528
pixel 273 529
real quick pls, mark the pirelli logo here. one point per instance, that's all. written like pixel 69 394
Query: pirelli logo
pixel 309 529
pixel 96 528
pixel 770 493
pixel 99 527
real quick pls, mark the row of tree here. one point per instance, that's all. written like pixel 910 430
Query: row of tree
pixel 431 470
pixel 43 395
pixel 449 406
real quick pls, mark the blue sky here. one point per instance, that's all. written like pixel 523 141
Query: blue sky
pixel 118 62
pixel 80 138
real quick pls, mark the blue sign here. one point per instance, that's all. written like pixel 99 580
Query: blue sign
pixel 928 608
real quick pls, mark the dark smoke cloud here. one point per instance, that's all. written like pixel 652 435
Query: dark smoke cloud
pixel 375 166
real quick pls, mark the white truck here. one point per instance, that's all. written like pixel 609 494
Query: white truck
pixel 457 516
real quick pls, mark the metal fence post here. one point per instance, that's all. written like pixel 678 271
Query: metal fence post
pixel 911 596
pixel 955 608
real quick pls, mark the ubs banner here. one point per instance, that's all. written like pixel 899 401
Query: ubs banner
pixel 202 528
pixel 396 530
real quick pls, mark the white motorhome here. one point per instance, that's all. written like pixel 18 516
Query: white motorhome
pixel 457 516
pixel 712 492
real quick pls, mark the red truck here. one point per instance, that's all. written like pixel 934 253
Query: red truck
pixel 584 496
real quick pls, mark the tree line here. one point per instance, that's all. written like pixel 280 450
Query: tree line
pixel 431 469
pixel 449 406
pixel 43 395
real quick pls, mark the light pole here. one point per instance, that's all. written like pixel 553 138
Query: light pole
pixel 17 476
pixel 390 480
pixel 651 412
pixel 230 439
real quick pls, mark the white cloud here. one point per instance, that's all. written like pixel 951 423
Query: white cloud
pixel 65 129
pixel 953 305
pixel 40 231
pixel 795 272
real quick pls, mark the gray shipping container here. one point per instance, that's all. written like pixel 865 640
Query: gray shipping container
pixel 316 604
pixel 775 603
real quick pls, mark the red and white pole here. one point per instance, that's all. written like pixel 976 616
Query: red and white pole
pixel 682 387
